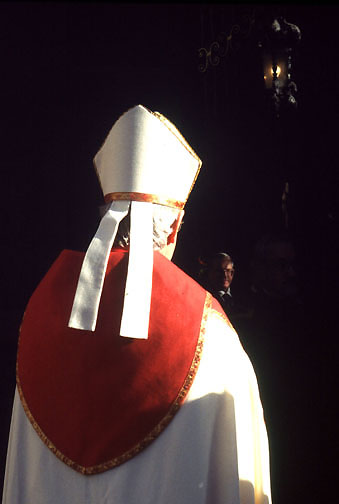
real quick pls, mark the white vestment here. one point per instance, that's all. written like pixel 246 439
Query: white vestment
pixel 214 451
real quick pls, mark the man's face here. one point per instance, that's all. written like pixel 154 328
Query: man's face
pixel 221 274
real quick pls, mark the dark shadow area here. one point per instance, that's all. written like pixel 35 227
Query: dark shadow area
pixel 69 69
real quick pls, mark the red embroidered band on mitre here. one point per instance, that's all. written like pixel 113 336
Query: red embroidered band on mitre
pixel 97 399
pixel 148 198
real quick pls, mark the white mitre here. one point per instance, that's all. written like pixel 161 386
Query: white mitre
pixel 143 160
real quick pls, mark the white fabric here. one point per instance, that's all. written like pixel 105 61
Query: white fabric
pixel 215 450
pixel 87 297
pixel 138 289
pixel 142 154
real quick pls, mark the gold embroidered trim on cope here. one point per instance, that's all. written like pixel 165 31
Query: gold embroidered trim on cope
pixel 148 198
pixel 154 432
pixel 223 317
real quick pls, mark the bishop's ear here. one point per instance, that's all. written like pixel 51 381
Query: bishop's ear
pixel 175 228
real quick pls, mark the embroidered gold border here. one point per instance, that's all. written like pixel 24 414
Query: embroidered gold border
pixel 154 432
pixel 223 317
pixel 148 198
pixel 183 141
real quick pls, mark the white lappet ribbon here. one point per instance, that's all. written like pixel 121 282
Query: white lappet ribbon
pixel 138 289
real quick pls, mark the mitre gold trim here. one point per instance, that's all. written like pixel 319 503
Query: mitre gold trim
pixel 148 198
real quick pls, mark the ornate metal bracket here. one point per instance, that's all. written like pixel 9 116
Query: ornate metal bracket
pixel 223 45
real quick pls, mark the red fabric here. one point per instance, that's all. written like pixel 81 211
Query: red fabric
pixel 96 395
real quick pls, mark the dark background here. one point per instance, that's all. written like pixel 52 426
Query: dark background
pixel 69 69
